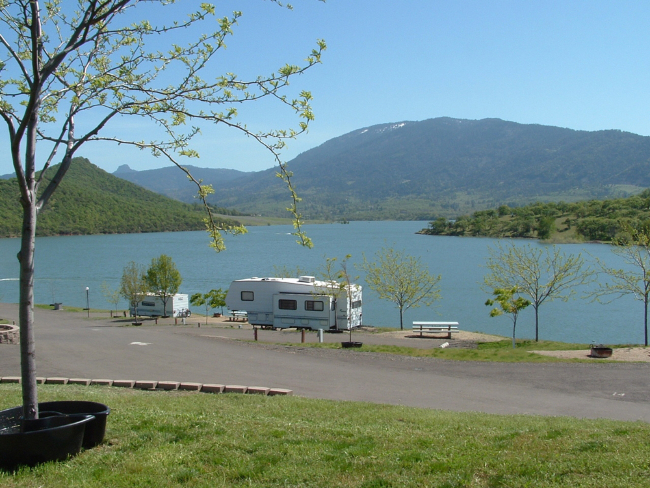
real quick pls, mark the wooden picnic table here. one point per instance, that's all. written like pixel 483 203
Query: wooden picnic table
pixel 436 327
pixel 236 315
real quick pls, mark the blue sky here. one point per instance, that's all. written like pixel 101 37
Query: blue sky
pixel 577 64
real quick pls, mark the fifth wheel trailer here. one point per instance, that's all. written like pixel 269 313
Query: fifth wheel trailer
pixel 303 303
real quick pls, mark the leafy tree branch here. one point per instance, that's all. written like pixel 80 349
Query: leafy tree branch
pixel 71 70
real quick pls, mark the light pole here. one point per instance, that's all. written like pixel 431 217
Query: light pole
pixel 88 301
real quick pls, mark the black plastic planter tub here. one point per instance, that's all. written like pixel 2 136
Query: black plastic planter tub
pixel 95 430
pixel 37 441
pixel 10 419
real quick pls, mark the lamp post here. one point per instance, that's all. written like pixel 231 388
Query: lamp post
pixel 88 301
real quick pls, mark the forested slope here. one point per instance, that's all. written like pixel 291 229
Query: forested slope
pixel 91 201
pixel 593 220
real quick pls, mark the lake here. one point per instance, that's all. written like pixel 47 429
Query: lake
pixel 65 266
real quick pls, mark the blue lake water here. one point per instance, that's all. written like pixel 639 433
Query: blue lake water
pixel 67 265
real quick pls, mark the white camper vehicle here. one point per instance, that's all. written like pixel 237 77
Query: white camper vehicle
pixel 152 306
pixel 302 302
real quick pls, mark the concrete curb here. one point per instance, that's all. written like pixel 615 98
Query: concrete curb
pixel 158 385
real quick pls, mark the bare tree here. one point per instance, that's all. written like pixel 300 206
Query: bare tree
pixel 133 285
pixel 540 274
pixel 635 281
pixel 402 279
pixel 70 70
pixel 112 295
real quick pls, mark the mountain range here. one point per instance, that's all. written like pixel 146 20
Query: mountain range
pixel 421 170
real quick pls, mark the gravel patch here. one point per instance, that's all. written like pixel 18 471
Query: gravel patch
pixel 629 354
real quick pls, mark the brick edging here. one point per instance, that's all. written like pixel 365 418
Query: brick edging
pixel 158 385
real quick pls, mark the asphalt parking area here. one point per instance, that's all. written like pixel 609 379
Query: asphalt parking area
pixel 71 345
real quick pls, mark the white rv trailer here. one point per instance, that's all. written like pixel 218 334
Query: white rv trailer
pixel 302 302
pixel 152 306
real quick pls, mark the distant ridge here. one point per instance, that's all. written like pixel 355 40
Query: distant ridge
pixel 124 169
pixel 438 167
pixel 172 182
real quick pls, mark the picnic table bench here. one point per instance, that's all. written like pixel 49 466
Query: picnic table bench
pixel 238 314
pixel 436 327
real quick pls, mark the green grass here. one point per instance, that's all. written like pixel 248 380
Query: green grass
pixel 174 439
pixel 67 308
pixel 500 351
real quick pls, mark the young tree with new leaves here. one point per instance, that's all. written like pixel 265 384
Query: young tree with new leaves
pixel 163 279
pixel 542 274
pixel 133 285
pixel 339 283
pixel 112 295
pixel 402 279
pixel 508 301
pixel 70 71
pixel 212 299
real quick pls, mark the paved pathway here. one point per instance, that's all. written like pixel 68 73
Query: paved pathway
pixel 71 345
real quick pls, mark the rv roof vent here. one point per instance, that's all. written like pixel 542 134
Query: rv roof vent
pixel 306 279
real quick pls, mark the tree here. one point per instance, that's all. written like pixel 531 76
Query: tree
pixel 438 226
pixel 67 76
pixel 339 282
pixel 112 295
pixel 635 251
pixel 163 279
pixel 346 284
pixel 285 272
pixel 329 275
pixel 541 274
pixel 133 285
pixel 545 227
pixel 402 279
pixel 212 299
pixel 509 302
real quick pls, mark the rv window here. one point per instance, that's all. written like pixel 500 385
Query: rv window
pixel 247 296
pixel 316 306
pixel 356 304
pixel 148 304
pixel 287 305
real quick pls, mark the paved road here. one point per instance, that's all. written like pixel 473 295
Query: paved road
pixel 70 345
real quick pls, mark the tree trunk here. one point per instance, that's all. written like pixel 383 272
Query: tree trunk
pixel 514 327
pixel 645 322
pixel 26 310
pixel 401 324
pixel 536 325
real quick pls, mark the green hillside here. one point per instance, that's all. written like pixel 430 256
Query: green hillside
pixel 91 201
pixel 593 220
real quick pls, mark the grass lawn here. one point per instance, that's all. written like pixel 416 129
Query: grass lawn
pixel 161 439
pixel 500 351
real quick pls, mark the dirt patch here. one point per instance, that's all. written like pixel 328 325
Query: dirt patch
pixel 461 335
pixel 629 354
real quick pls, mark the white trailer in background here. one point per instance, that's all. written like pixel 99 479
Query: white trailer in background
pixel 301 302
pixel 152 306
